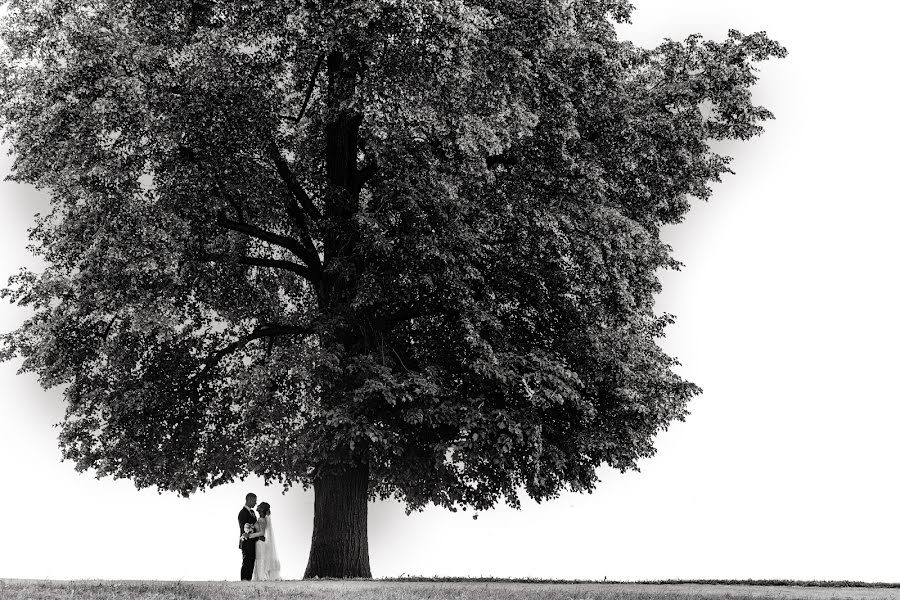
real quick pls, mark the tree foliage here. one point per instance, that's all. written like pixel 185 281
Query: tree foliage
pixel 288 236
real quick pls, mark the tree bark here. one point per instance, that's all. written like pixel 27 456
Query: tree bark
pixel 340 541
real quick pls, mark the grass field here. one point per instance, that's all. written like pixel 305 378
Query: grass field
pixel 12 589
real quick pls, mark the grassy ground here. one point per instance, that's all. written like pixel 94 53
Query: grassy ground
pixel 434 590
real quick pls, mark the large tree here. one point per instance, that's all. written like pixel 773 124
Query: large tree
pixel 383 248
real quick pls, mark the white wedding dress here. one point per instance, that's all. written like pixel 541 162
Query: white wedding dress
pixel 266 567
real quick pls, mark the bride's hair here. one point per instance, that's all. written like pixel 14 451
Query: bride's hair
pixel 264 509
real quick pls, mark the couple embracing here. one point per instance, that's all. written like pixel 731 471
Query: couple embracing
pixel 257 542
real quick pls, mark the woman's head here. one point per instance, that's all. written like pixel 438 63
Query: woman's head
pixel 264 509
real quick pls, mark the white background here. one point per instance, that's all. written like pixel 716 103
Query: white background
pixel 786 467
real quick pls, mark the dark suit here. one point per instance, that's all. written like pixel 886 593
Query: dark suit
pixel 248 547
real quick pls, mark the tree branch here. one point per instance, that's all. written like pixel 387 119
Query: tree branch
pixel 305 238
pixel 287 265
pixel 500 159
pixel 311 85
pixel 254 261
pixel 238 209
pixel 293 184
pixel 407 313
pixel 199 11
pixel 310 258
pixel 109 326
pixel 264 331
pixel 364 174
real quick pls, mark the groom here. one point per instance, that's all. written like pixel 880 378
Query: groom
pixel 248 547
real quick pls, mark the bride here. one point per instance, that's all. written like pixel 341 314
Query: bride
pixel 266 567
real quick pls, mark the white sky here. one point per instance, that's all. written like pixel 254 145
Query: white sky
pixel 784 469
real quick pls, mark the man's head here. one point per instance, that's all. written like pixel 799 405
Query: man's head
pixel 251 500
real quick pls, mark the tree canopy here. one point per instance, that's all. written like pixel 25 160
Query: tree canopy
pixel 290 236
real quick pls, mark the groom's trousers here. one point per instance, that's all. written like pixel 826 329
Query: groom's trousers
pixel 248 549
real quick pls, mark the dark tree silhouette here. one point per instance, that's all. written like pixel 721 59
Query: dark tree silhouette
pixel 383 248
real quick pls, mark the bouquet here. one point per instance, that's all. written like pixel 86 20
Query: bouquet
pixel 248 529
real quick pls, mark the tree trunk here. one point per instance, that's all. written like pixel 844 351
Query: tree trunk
pixel 340 541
